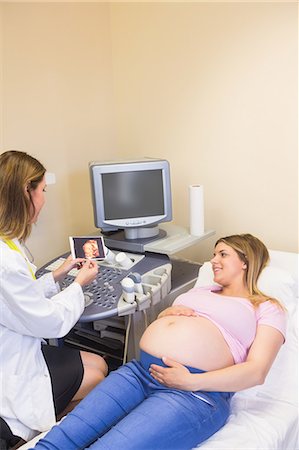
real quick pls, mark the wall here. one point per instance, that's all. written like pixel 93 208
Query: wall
pixel 58 107
pixel 1 77
pixel 213 88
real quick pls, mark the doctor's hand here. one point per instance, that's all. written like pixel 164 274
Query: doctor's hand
pixel 174 376
pixel 87 273
pixel 177 310
pixel 60 273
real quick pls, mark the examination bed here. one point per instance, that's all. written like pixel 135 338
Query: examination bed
pixel 264 417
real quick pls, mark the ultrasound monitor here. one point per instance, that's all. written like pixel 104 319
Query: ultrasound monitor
pixel 132 196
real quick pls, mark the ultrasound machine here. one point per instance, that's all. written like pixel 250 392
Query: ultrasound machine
pixel 130 200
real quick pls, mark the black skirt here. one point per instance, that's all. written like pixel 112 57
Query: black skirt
pixel 66 372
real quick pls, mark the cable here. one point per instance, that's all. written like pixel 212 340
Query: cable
pixel 127 340
pixel 145 318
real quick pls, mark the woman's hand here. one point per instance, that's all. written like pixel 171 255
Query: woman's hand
pixel 174 376
pixel 177 310
pixel 69 264
pixel 88 272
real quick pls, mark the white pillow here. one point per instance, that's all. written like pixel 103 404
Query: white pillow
pixel 285 260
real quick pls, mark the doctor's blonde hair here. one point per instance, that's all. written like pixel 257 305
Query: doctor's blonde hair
pixel 19 174
pixel 255 256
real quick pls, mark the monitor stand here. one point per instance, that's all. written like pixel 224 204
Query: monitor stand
pixel 119 241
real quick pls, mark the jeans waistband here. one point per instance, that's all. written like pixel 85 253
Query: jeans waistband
pixel 146 359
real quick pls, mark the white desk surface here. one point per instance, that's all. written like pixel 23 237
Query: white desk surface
pixel 177 239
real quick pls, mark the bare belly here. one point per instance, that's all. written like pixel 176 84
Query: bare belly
pixel 192 341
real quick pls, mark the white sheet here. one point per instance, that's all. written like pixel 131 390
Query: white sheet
pixel 257 424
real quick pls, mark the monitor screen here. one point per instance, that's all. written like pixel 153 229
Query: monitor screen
pixel 131 194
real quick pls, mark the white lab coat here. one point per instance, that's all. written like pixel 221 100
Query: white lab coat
pixel 30 310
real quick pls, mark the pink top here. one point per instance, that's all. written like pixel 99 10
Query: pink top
pixel 235 317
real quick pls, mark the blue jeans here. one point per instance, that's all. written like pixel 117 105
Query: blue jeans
pixel 129 410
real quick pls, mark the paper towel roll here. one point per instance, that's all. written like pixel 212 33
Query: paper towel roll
pixel 196 210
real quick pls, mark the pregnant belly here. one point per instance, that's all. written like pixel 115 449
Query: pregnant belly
pixel 192 341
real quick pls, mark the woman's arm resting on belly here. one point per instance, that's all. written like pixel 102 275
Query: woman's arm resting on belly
pixel 234 378
pixel 178 310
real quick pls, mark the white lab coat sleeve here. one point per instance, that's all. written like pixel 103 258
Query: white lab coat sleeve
pixel 26 309
pixel 48 285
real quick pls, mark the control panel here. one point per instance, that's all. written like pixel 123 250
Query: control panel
pixel 126 282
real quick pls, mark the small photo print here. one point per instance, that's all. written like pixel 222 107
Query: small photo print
pixel 89 247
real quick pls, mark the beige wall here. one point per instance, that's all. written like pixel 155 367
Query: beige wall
pixel 58 106
pixel 1 79
pixel 213 88
pixel 210 87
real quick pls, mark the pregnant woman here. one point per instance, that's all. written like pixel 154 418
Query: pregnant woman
pixel 212 342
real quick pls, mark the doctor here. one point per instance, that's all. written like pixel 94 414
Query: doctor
pixel 38 382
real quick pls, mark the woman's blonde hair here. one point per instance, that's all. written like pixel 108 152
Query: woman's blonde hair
pixel 20 173
pixel 255 255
